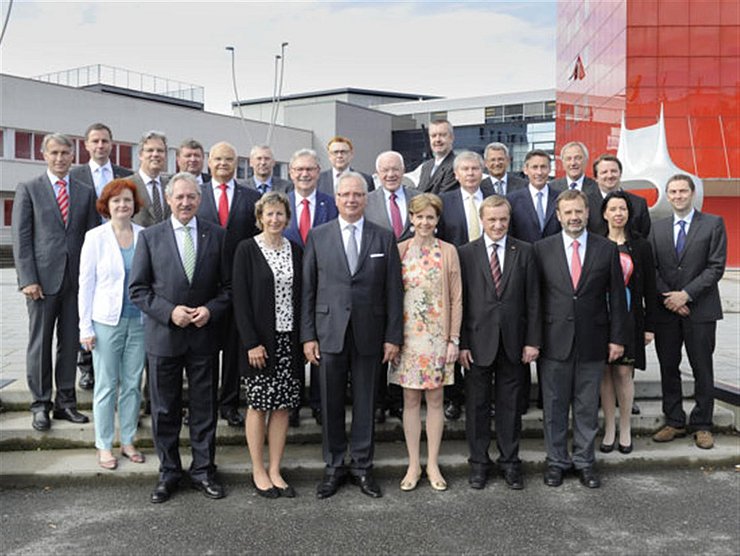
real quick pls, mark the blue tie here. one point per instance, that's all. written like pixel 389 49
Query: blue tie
pixel 540 210
pixel 681 239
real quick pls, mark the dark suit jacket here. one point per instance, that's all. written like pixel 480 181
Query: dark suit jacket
pixel 376 210
pixel 43 247
pixel 326 210
pixel 453 226
pixel 524 222
pixel 145 217
pixel 593 315
pixel 443 179
pixel 699 269
pixel 278 184
pixel 254 304
pixel 513 183
pixel 639 222
pixel 158 283
pixel 561 184
pixel 326 182
pixel 84 174
pixel 371 300
pixel 514 317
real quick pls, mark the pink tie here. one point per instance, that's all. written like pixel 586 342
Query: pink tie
pixel 63 200
pixel 305 224
pixel 396 221
pixel 223 206
pixel 575 265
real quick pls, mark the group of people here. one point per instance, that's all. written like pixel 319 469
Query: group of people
pixel 443 292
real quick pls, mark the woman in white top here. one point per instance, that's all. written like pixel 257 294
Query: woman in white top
pixel 110 325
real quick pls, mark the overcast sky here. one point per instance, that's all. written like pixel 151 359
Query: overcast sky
pixel 436 48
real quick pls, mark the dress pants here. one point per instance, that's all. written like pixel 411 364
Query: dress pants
pixel 119 359
pixel 699 339
pixel 509 379
pixel 334 371
pixel 390 396
pixel 165 388
pixel 313 400
pixel 564 384
pixel 230 363
pixel 455 392
pixel 44 315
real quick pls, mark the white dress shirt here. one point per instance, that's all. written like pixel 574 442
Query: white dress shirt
pixel 53 179
pixel 299 206
pixel 688 218
pixel 180 235
pixel 578 182
pixel 477 200
pixel 500 251
pixel 216 185
pixel 568 246
pixel 400 201
pixel 146 179
pixel 99 178
pixel 545 194
pixel 345 232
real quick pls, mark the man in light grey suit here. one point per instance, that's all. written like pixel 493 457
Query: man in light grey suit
pixel 497 159
pixel 149 179
pixel 262 162
pixel 51 215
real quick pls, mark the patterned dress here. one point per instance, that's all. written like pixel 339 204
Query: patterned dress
pixel 281 390
pixel 422 362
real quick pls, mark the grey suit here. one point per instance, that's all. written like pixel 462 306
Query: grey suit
pixel 443 179
pixel 513 183
pixel 561 184
pixel 326 182
pixel 146 217
pixel 277 184
pixel 47 253
pixel 377 212
pixel 83 174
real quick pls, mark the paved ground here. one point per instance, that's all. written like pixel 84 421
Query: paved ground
pixel 693 511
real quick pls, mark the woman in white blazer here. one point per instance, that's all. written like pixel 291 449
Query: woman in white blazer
pixel 110 325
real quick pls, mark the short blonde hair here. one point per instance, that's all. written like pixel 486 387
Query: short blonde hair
pixel 424 201
pixel 271 198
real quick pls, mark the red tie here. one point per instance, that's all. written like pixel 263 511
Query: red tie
pixel 396 221
pixel 223 206
pixel 575 264
pixel 63 200
pixel 305 224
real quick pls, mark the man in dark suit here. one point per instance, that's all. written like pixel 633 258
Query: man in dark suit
pixel 51 215
pixel 460 223
pixel 574 157
pixel 341 152
pixel 585 312
pixel 500 336
pixel 262 162
pixel 496 156
pixel 437 174
pixel 190 158
pixel 95 174
pixel 309 208
pixel 690 250
pixel 150 181
pixel 352 320
pixel 180 280
pixel 230 205
pixel 608 172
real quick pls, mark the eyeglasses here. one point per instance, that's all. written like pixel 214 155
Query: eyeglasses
pixel 351 195
pixel 304 169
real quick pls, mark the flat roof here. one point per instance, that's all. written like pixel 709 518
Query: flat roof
pixel 340 91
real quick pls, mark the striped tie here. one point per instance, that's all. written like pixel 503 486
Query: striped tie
pixel 63 200
pixel 188 254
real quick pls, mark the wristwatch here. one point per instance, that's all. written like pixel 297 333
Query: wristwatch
pixel 455 341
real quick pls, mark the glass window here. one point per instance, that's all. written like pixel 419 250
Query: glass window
pixel 38 139
pixel 242 168
pixel 124 155
pixel 82 155
pixel 23 144
pixel 7 212
pixel 442 115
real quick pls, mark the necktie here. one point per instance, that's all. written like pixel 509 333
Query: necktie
pixel 262 188
pixel 496 269
pixel 575 264
pixel 473 222
pixel 396 217
pixel 63 200
pixel 188 253
pixel 156 202
pixel 101 179
pixel 305 224
pixel 223 206
pixel 540 210
pixel 573 185
pixel 498 187
pixel 681 238
pixel 352 254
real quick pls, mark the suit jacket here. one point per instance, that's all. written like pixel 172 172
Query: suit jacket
pixel 326 182
pixel 697 271
pixel 524 222
pixel 590 316
pixel 83 174
pixel 639 222
pixel 325 210
pixel 145 217
pixel 443 179
pixel 370 301
pixel 43 247
pixel 508 322
pixel 561 184
pixel 377 213
pixel 513 183
pixel 158 283
pixel 278 184
pixel 453 226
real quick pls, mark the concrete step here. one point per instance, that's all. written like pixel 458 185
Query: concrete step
pixel 42 468
pixel 16 432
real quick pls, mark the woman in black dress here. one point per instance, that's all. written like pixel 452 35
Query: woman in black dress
pixel 638 269
pixel 266 289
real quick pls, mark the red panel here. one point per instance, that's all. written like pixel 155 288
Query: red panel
pixel 733 157
pixel 683 158
pixel 704 12
pixel 38 139
pixel 23 145
pixel 703 72
pixel 642 12
pixel 673 12
pixel 7 212
pixel 709 160
pixel 124 155
pixel 673 72
pixel 729 209
pixel 83 157
pixel 731 128
pixel 677 132
pixel 729 70
pixel 704 41
pixel 729 12
pixel 642 41
pixel 729 40
pixel 673 41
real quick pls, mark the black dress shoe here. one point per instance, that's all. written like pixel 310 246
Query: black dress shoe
pixel 553 476
pixel 233 417
pixel 287 492
pixel 316 413
pixel 162 492
pixel 514 478
pixel 329 485
pixel 625 449
pixel 41 421
pixel 87 380
pixel 606 448
pixel 70 414
pixel 294 418
pixel 635 409
pixel 478 476
pixel 380 415
pixel 367 485
pixel 589 478
pixel 271 492
pixel 396 412
pixel 452 411
pixel 210 488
